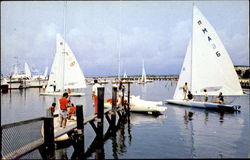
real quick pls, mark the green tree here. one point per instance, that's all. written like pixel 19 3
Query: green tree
pixel 246 74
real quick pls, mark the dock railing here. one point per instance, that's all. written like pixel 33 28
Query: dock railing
pixel 21 138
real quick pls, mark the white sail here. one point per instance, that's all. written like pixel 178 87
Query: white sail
pixel 45 72
pixel 212 67
pixel 207 64
pixel 27 70
pixel 185 75
pixel 65 71
pixel 125 75
pixel 15 72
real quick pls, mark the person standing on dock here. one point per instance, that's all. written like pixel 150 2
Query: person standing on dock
pixel 121 90
pixel 185 89
pixel 63 109
pixel 95 96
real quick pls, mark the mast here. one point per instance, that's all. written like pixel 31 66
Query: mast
pixel 119 46
pixel 63 53
pixel 191 70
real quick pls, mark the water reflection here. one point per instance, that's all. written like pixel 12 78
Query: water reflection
pixel 61 154
pixel 99 153
pixel 121 146
pixel 221 117
pixel 188 116
pixel 143 90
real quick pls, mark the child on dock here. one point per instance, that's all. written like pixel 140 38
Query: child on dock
pixel 64 102
pixel 51 110
pixel 72 111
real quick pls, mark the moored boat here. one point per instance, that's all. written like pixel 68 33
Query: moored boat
pixel 207 66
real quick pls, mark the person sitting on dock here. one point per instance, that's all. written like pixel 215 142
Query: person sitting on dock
pixel 72 111
pixel 51 110
pixel 64 102
pixel 190 95
pixel 220 98
pixel 205 95
pixel 185 90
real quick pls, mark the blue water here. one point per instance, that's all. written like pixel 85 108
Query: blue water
pixel 209 134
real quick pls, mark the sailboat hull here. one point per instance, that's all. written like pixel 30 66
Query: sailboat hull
pixel 205 105
pixel 142 106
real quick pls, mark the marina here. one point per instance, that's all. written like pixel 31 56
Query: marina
pixel 170 131
pixel 125 80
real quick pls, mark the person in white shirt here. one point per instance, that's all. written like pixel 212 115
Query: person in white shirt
pixel 95 95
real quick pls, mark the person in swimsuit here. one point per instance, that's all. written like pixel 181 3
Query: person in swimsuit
pixel 185 89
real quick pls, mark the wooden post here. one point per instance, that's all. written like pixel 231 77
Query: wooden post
pixel 100 91
pixel 113 115
pixel 49 136
pixel 78 137
pixel 128 109
pixel 122 97
pixel 80 119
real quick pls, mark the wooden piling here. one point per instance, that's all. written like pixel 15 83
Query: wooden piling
pixel 100 91
pixel 123 97
pixel 113 115
pixel 128 106
pixel 49 137
pixel 80 119
pixel 78 137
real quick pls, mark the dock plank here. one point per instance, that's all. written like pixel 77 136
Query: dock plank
pixel 73 126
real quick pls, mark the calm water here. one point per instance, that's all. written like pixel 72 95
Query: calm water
pixel 208 134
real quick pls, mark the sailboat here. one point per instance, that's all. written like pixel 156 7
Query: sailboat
pixel 207 65
pixel 25 75
pixel 42 76
pixel 143 77
pixel 65 72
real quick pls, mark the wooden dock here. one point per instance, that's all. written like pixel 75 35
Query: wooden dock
pixel 46 144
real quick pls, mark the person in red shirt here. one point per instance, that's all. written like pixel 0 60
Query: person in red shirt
pixel 64 102
pixel 71 111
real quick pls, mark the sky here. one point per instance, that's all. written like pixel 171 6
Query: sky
pixel 99 32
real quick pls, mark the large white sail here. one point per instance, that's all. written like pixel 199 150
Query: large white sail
pixel 207 64
pixel 212 67
pixel 65 71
